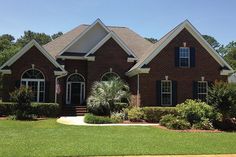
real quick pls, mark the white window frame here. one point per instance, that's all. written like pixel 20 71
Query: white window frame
pixel 106 73
pixel 27 80
pixel 162 93
pixel 68 88
pixel 184 57
pixel 199 93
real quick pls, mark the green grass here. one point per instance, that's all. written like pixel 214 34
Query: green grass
pixel 48 138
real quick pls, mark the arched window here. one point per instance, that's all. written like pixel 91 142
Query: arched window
pixel 109 76
pixel 35 80
pixel 75 89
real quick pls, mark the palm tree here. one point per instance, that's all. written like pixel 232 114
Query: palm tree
pixel 106 94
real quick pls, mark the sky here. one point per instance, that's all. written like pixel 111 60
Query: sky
pixel 149 18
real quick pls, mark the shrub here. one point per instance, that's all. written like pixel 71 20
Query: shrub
pixel 22 97
pixel 167 119
pixel 106 97
pixel 45 109
pixel 118 116
pixel 7 108
pixel 154 114
pixel 222 96
pixel 92 119
pixel 178 124
pixel 196 111
pixel 203 125
pixel 135 114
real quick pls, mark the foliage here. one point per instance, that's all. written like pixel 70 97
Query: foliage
pixel 118 116
pixel 7 108
pixel 6 54
pixel 22 97
pixel 56 35
pixel 222 96
pixel 167 119
pixel 196 111
pixel 152 40
pixel 212 41
pixel 92 119
pixel 105 95
pixel 203 125
pixel 174 122
pixel 231 57
pixel 135 114
pixel 45 109
pixel 154 114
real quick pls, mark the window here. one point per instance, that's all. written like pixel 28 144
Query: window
pixel 166 93
pixel 109 76
pixel 34 79
pixel 202 87
pixel 184 57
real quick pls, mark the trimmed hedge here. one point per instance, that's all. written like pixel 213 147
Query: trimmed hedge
pixel 45 109
pixel 7 108
pixel 38 109
pixel 154 114
pixel 92 119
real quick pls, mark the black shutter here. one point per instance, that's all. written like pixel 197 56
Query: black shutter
pixel 195 85
pixel 158 91
pixel 17 84
pixel 47 91
pixel 177 56
pixel 174 93
pixel 192 57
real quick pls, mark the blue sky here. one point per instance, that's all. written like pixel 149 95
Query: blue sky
pixel 149 18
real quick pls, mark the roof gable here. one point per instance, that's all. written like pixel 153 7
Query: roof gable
pixel 25 49
pixel 117 40
pixel 87 39
pixel 156 49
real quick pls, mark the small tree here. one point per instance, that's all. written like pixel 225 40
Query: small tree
pixel 222 96
pixel 105 95
pixel 22 97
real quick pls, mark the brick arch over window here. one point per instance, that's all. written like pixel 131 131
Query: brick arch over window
pixel 34 79
pixel 109 75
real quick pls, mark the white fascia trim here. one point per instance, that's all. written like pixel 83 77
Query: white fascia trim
pixel 5 71
pixel 71 57
pixel 138 71
pixel 226 72
pixel 90 58
pixel 83 33
pixel 117 39
pixel 186 24
pixel 131 59
pixel 25 49
pixel 58 73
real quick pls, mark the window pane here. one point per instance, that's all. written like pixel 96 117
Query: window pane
pixel 184 56
pixel 166 99
pixel 184 62
pixel 41 97
pixel 166 92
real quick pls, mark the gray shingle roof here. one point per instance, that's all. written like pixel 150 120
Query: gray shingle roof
pixel 135 42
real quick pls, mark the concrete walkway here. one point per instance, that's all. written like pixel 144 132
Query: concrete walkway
pixel 79 120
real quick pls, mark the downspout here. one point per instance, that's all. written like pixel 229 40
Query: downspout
pixel 137 90
pixel 56 79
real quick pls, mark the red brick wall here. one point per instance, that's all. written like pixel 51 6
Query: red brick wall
pixel 164 64
pixel 110 55
pixel 33 56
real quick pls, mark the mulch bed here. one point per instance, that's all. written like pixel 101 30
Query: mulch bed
pixel 189 130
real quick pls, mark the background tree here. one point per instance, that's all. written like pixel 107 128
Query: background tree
pixel 212 41
pixel 152 40
pixel 56 35
pixel 6 41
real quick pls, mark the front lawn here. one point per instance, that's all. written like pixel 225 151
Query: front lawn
pixel 48 138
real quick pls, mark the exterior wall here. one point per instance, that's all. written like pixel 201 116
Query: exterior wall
pixel 164 65
pixel 109 56
pixel 33 56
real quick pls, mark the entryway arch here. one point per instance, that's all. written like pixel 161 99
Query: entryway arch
pixel 75 89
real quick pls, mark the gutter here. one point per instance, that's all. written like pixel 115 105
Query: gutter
pixel 56 80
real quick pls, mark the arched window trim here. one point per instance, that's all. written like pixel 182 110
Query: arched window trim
pixel 68 88
pixel 109 72
pixel 40 83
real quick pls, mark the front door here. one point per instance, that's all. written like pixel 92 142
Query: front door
pixel 75 93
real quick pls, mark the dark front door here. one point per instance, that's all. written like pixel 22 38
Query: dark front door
pixel 75 93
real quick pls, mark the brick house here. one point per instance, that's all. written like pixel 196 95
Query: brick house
pixel 181 65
